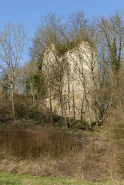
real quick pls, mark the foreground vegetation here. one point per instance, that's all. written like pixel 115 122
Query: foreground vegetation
pixel 32 145
pixel 53 151
pixel 18 179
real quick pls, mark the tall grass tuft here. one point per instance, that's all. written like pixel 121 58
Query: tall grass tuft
pixel 37 143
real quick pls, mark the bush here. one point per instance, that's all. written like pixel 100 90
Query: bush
pixel 20 109
pixel 23 111
pixel 80 124
pixel 5 107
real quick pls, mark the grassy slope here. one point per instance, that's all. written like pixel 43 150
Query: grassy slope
pixel 95 160
pixel 19 179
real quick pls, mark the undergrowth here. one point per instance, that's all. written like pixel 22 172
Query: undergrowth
pixel 25 143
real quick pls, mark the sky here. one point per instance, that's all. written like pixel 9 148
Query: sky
pixel 28 12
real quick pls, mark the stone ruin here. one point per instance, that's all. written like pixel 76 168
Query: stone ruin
pixel 71 81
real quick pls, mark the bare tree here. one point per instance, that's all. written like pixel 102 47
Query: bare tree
pixel 110 47
pixel 78 26
pixel 29 70
pixel 46 43
pixel 12 42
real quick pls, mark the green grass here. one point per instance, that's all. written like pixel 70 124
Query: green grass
pixel 19 179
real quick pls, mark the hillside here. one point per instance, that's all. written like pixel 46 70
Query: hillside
pixel 44 150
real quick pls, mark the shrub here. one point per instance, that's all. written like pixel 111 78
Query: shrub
pixel 5 107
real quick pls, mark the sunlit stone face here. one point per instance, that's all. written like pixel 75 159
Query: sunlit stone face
pixel 80 64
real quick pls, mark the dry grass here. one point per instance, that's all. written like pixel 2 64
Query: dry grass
pixel 57 152
pixel 51 152
pixel 116 132
pixel 34 143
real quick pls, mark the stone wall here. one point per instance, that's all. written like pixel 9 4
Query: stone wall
pixel 71 93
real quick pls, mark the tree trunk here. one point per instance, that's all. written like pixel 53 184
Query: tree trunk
pixel 73 103
pixel 32 90
pixel 51 111
pixel 69 104
pixel 82 109
pixel 61 101
pixel 12 98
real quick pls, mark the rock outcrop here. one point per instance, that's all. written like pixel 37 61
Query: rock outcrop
pixel 71 81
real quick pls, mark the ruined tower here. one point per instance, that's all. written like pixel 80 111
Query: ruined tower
pixel 71 80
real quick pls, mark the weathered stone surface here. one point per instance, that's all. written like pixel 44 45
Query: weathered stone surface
pixel 71 96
